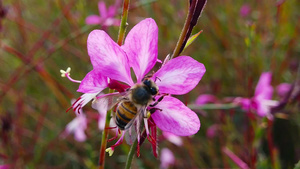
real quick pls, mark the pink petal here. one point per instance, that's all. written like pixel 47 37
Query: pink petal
pixel 179 75
pixel 77 126
pixel 111 21
pixel 82 101
pixel 166 158
pixel 102 9
pixel 206 98
pixel 264 87
pixel 93 20
pixel 141 47
pixel 112 11
pixel 176 118
pixel 245 10
pixel 212 131
pixel 245 103
pixel 107 57
pixel 283 88
pixel 262 109
pixel 93 82
pixel 173 138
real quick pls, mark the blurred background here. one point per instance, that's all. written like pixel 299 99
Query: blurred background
pixel 240 40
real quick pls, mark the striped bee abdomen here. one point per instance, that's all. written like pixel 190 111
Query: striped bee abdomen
pixel 126 111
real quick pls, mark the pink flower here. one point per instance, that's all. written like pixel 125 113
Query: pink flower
pixel 166 158
pixel 77 126
pixel 112 64
pixel 106 17
pixel 245 10
pixel 212 131
pixel 206 98
pixel 283 88
pixel 261 101
pixel 178 76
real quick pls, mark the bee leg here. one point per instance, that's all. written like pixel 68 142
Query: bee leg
pixel 156 79
pixel 158 100
pixel 152 110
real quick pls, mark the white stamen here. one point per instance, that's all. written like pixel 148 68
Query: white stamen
pixel 65 73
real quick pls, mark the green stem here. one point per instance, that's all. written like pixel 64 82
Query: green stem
pixel 108 115
pixel 104 138
pixel 180 41
pixel 130 154
pixel 213 106
pixel 123 22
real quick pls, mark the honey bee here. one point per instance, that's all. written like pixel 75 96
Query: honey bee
pixel 133 103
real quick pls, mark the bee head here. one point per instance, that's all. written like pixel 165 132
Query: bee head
pixel 152 87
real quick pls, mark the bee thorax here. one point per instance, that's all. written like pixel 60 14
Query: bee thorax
pixel 141 96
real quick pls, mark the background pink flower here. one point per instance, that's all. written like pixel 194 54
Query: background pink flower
pixel 261 101
pixel 206 98
pixel 283 88
pixel 166 158
pixel 106 16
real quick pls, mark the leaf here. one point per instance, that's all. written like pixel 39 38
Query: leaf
pixel 191 39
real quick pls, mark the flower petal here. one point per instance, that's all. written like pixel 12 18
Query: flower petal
pixel 179 75
pixel 141 47
pixel 175 117
pixel 82 101
pixel 173 138
pixel 263 87
pixel 283 89
pixel 102 9
pixel 93 82
pixel 206 98
pixel 245 103
pixel 166 158
pixel 111 22
pixel 93 20
pixel 77 126
pixel 107 57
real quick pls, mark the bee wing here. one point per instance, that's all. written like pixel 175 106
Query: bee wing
pixel 130 135
pixel 133 131
pixel 107 101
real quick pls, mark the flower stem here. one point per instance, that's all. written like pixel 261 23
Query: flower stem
pixel 213 106
pixel 108 115
pixel 130 154
pixel 195 10
pixel 104 137
pixel 186 26
pixel 123 21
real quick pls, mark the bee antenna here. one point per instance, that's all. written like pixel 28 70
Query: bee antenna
pixel 157 78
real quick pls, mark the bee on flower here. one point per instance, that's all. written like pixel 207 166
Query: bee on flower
pixel 147 101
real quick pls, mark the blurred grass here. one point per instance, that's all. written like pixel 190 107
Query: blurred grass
pixel 41 37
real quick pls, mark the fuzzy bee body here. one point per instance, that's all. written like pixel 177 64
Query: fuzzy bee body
pixel 126 111
pixel 135 103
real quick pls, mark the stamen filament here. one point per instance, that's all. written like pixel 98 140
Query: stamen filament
pixel 72 80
